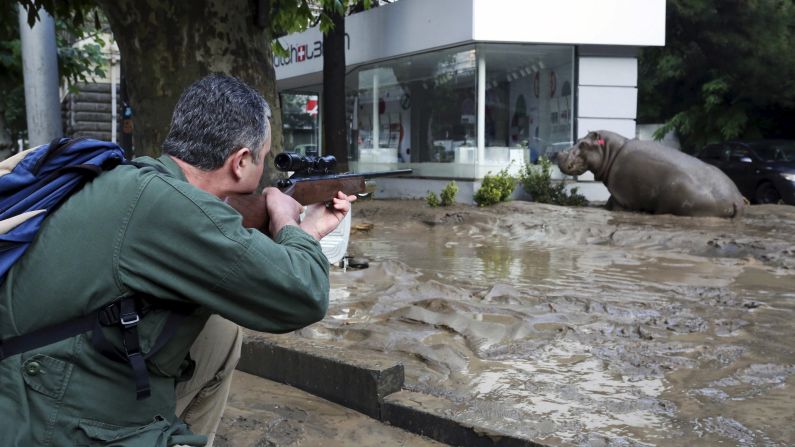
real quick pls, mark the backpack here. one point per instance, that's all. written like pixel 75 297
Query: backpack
pixel 33 183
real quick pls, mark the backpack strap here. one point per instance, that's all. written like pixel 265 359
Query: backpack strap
pixel 125 313
pixel 46 336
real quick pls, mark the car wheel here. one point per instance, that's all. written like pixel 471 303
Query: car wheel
pixel 767 193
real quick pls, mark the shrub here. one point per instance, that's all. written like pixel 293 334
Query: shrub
pixel 448 194
pixel 495 188
pixel 431 199
pixel 537 181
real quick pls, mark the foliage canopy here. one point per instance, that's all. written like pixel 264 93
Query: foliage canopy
pixel 727 71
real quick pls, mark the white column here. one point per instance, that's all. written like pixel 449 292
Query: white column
pixel 481 156
pixel 375 110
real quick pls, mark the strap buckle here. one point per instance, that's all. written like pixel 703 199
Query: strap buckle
pixel 129 319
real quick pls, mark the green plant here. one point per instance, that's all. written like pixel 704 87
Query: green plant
pixel 537 181
pixel 432 200
pixel 495 188
pixel 448 194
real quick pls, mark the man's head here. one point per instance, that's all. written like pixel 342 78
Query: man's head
pixel 219 122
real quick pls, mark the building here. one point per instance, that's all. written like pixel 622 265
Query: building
pixel 455 89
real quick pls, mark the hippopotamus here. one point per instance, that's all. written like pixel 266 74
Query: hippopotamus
pixel 649 177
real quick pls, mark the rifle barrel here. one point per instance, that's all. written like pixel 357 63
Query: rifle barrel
pixel 386 173
pixel 366 175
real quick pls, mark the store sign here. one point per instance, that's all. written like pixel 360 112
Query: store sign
pixel 300 53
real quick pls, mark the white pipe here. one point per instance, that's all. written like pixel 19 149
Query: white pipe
pixel 40 71
pixel 112 100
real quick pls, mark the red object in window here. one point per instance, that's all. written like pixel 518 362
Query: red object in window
pixel 311 107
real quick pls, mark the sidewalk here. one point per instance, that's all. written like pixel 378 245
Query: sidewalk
pixel 262 413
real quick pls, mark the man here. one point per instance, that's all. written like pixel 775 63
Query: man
pixel 159 236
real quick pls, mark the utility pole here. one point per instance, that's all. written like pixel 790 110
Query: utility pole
pixel 40 71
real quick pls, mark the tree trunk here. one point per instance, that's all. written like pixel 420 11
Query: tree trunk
pixel 335 141
pixel 166 46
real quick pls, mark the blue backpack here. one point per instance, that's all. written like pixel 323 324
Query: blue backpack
pixel 34 182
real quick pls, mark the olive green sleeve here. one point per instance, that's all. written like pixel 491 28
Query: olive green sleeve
pixel 181 243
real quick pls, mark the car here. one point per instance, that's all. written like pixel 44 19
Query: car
pixel 763 170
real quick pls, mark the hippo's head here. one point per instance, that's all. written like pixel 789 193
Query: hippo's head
pixel 584 155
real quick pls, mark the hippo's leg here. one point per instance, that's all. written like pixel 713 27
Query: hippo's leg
pixel 613 205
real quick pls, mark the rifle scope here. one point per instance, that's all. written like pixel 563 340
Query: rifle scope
pixel 290 161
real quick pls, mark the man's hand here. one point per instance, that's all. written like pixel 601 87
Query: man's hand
pixel 282 210
pixel 321 219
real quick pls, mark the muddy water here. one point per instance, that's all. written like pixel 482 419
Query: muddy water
pixel 581 326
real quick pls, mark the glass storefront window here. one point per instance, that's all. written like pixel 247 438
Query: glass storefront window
pixel 300 121
pixel 419 111
pixel 422 111
pixel 529 102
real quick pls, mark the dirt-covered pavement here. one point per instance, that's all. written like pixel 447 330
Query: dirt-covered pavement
pixel 262 413
pixel 568 326
pixel 578 326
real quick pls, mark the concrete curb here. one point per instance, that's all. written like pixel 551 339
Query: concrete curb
pixel 360 384
pixel 431 416
pixel 372 386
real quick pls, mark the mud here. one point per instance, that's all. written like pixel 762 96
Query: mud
pixel 579 326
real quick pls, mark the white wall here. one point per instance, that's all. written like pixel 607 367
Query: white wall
pixel 412 26
pixel 603 22
pixel 405 27
pixel 607 94
pixel 607 100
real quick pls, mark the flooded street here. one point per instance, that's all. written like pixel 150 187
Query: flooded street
pixel 578 326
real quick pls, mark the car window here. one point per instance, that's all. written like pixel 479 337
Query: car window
pixel 779 151
pixel 713 152
pixel 738 152
pixel 785 151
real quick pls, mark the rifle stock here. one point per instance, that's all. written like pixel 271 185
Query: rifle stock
pixel 305 191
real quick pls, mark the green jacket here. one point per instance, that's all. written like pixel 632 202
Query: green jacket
pixel 132 231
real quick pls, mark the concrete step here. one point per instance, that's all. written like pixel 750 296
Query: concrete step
pixel 263 413
pixel 360 384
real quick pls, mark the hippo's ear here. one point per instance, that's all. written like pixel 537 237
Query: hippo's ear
pixel 594 135
pixel 594 138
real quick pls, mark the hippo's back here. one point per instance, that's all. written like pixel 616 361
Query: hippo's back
pixel 693 181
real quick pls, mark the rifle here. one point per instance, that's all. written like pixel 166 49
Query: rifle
pixel 313 181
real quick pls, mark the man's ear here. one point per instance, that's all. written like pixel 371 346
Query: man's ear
pixel 239 161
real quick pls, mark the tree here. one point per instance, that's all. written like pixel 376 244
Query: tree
pixel 165 46
pixel 75 64
pixel 335 137
pixel 330 15
pixel 727 71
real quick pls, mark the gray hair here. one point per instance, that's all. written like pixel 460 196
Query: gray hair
pixel 214 118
